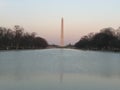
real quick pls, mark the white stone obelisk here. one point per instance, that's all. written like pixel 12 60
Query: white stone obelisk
pixel 62 32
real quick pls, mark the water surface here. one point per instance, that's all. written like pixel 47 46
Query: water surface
pixel 59 69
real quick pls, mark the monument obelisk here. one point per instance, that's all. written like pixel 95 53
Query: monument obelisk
pixel 62 45
pixel 62 32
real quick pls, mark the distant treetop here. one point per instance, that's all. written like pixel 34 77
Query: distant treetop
pixel 18 39
pixel 106 39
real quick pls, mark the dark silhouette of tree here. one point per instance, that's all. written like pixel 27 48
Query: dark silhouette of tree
pixel 37 42
pixel 18 35
pixel 18 39
pixel 106 39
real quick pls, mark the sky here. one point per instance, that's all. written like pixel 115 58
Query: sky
pixel 44 17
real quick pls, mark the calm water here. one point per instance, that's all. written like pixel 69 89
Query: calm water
pixel 56 69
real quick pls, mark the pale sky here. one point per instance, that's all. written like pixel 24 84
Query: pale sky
pixel 43 17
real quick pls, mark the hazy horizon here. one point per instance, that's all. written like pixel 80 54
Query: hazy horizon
pixel 44 17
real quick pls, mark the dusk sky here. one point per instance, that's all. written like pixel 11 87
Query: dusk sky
pixel 43 17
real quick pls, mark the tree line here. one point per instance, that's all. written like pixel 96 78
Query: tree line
pixel 18 39
pixel 106 39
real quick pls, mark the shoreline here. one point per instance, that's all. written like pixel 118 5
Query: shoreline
pixel 102 50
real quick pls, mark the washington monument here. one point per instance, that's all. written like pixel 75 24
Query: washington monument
pixel 62 32
pixel 61 45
